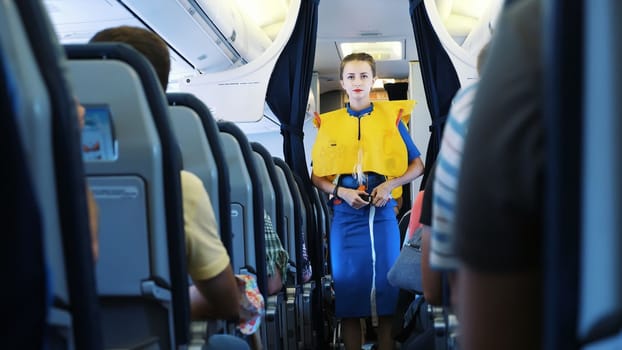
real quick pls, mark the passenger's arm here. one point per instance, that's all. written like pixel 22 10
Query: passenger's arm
pixel 215 298
pixel 215 293
pixel 432 284
pixel 275 282
pixel 93 222
pixel 498 310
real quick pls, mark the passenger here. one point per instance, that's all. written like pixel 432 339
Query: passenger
pixel 431 278
pixel 499 210
pixel 215 293
pixel 276 257
pixel 93 210
pixel 361 150
pixel 439 244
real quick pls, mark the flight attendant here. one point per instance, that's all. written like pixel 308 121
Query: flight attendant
pixel 362 156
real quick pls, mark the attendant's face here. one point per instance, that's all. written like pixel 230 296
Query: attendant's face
pixel 357 79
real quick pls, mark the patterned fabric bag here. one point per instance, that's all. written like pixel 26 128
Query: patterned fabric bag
pixel 251 304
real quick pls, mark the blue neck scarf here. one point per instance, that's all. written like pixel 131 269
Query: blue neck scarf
pixel 360 113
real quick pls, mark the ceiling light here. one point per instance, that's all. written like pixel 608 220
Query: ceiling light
pixel 379 50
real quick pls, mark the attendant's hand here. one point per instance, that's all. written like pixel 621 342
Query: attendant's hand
pixel 381 195
pixel 353 197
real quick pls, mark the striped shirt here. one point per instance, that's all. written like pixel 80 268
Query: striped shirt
pixel 442 254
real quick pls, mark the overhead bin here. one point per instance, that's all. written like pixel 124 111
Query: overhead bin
pixel 179 23
pixel 238 94
pixel 463 28
pixel 232 49
pixel 240 30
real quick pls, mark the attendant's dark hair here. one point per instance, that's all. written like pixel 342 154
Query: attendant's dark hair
pixel 358 56
pixel 144 41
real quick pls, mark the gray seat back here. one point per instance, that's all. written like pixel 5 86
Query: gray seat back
pixel 266 158
pixel 232 132
pixel 242 227
pixel 122 184
pixel 33 124
pixel 196 151
pixel 294 238
pixel 141 274
pixel 221 198
pixel 321 233
pixel 269 195
pixel 53 145
pixel 288 214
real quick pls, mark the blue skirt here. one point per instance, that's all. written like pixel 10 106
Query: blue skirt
pixel 360 261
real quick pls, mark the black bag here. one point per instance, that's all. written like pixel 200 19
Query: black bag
pixel 415 329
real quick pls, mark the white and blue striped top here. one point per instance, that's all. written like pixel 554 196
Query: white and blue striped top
pixel 442 255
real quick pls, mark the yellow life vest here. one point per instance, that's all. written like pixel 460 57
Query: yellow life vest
pixel 340 136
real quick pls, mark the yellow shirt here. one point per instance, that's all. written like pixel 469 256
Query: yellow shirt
pixel 205 253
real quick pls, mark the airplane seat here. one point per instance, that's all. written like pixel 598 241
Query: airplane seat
pixel 293 215
pixel 321 263
pixel 241 196
pixel 321 233
pixel 266 172
pixel 133 165
pixel 327 213
pixel 310 298
pixel 247 208
pixel 303 293
pixel 48 125
pixel 273 301
pixel 219 189
pixel 199 158
pixel 230 132
pixel 196 152
pixel 24 290
pixel 287 238
pixel 24 287
pixel 326 282
pixel 273 200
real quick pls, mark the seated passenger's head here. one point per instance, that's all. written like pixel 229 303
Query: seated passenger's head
pixel 145 42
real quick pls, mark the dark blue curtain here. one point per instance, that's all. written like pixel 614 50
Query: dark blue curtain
pixel 288 90
pixel 440 79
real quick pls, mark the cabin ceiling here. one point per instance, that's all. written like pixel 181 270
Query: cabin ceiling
pixel 372 20
pixel 338 20
pixel 361 20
